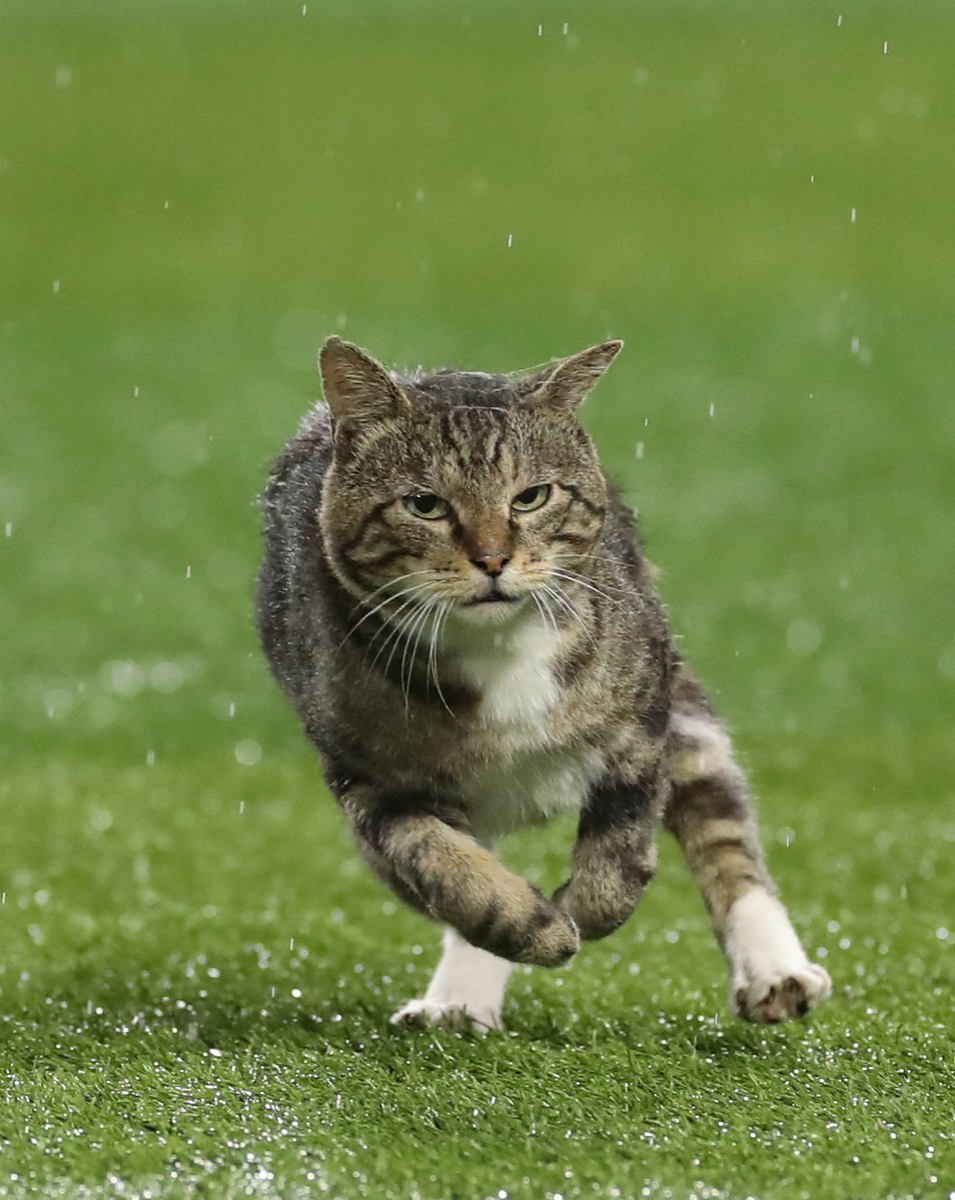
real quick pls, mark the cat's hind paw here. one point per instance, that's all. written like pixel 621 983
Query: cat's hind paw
pixel 462 1018
pixel 771 979
pixel 769 999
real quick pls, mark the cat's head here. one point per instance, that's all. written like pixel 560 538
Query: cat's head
pixel 461 489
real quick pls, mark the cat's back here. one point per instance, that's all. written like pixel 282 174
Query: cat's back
pixel 293 563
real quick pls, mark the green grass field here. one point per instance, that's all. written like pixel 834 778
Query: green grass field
pixel 195 969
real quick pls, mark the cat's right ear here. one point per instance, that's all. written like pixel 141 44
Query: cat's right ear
pixel 357 388
pixel 567 383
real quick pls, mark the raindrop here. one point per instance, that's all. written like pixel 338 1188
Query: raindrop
pixel 56 287
pixel 63 78
pixel 101 820
pixel 853 215
pixel 639 450
pixel 248 752
pixel 123 678
pixel 803 637
pixel 540 30
pixel 150 758
pixel 167 677
pixel 510 240
pixel 8 529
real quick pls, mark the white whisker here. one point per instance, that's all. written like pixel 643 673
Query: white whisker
pixel 580 581
pixel 414 589
pixel 409 659
pixel 433 654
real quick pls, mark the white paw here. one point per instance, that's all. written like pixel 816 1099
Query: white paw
pixel 781 994
pixel 464 1018
pixel 771 979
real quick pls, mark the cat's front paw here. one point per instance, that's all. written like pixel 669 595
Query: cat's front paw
pixel 552 942
pixel 779 996
pixel 462 1018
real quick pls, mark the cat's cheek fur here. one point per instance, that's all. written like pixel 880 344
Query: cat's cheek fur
pixel 771 979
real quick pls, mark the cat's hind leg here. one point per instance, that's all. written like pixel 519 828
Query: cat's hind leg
pixel 466 991
pixel 710 814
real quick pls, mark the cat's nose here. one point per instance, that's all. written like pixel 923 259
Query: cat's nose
pixel 491 564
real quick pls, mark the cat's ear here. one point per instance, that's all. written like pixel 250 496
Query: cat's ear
pixel 355 385
pixel 568 383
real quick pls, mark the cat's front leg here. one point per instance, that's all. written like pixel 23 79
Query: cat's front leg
pixel 422 849
pixel 466 991
pixel 615 855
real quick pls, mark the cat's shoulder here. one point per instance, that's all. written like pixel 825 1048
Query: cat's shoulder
pixel 306 455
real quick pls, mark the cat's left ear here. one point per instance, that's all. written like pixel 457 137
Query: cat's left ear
pixel 356 386
pixel 570 382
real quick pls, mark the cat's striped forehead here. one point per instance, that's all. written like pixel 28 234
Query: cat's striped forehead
pixel 466 389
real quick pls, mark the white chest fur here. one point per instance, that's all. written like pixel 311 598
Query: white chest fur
pixel 526 775
pixel 512 672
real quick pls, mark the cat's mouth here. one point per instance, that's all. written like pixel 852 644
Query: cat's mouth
pixel 492 597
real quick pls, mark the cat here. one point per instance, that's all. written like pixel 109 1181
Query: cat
pixel 455 600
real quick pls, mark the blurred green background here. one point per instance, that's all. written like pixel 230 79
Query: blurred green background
pixel 193 194
pixel 757 197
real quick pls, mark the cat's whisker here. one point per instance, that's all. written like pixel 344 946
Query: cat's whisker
pixel 400 636
pixel 620 590
pixel 555 590
pixel 580 581
pixel 390 583
pixel 433 651
pixel 555 593
pixel 408 659
pixel 546 613
pixel 395 629
pixel 415 588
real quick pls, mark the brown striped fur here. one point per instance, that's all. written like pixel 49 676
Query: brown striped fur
pixel 469 661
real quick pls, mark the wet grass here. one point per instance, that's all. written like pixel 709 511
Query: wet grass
pixel 216 1021
pixel 195 969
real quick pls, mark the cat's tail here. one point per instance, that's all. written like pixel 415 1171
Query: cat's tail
pixel 710 814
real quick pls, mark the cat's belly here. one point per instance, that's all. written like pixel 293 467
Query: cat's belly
pixel 527 789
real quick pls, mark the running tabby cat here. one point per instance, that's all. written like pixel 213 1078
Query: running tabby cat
pixel 455 600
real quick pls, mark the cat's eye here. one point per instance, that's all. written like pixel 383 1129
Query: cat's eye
pixel 427 506
pixel 531 498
